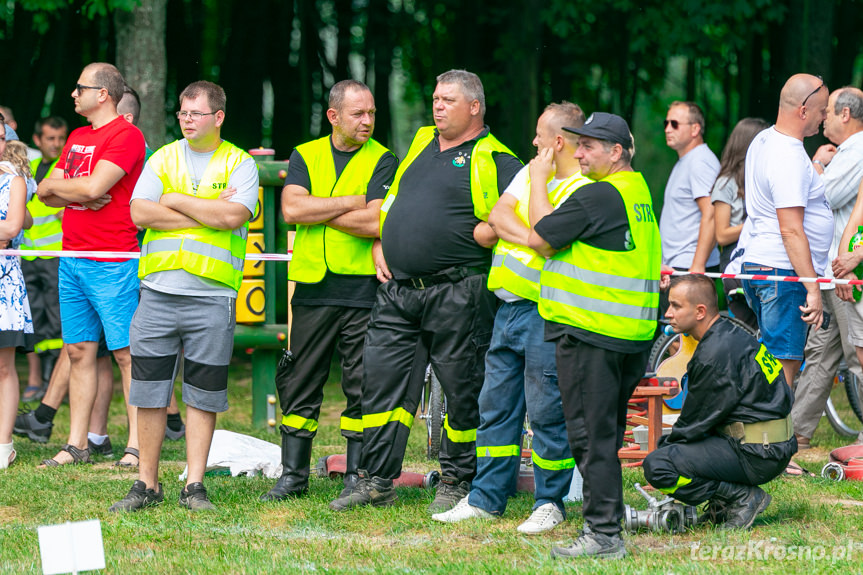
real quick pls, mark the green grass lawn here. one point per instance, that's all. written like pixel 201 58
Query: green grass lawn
pixel 247 536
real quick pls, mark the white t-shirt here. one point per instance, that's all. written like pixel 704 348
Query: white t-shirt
pixel 691 178
pixel 779 174
pixel 519 187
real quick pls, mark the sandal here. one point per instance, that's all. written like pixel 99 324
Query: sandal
pixel 7 455
pixel 794 469
pixel 32 393
pixel 129 451
pixel 78 456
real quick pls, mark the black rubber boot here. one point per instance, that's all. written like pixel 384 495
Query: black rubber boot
pixel 294 482
pixel 352 463
pixel 742 504
pixel 48 360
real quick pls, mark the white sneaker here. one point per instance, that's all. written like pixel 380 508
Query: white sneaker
pixel 544 518
pixel 463 510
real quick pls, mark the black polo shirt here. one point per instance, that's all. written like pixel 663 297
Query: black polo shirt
pixel 429 227
pixel 339 289
pixel 595 215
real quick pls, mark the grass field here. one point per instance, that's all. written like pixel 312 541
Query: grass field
pixel 813 525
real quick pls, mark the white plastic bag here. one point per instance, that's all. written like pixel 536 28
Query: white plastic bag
pixel 242 454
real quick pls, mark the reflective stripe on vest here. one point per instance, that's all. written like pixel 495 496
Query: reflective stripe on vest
pixel 295 421
pixel 552 464
pixel 397 415
pixel 46 233
pixel 456 435
pixel 612 293
pixel 517 268
pixel 351 424
pixel 498 451
pixel 317 247
pixel 206 252
pixel 483 172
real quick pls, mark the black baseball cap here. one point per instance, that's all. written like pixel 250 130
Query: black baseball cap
pixel 604 126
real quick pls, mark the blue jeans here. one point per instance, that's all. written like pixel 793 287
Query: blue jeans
pixel 777 308
pixel 520 375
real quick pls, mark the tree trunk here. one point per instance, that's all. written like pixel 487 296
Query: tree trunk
pixel 142 61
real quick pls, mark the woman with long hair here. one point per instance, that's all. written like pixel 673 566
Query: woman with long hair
pixel 729 208
pixel 16 324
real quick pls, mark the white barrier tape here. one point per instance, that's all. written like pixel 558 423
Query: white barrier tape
pixel 771 278
pixel 123 255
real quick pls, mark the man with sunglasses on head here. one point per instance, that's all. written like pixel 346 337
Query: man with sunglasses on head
pixel 790 224
pixel 93 180
pixel 686 224
pixel 195 198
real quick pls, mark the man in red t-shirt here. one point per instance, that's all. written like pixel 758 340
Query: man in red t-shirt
pixel 94 179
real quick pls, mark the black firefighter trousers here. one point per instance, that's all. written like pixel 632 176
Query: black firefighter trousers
pixel 448 324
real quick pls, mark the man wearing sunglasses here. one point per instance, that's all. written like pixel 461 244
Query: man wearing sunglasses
pixel 93 180
pixel 790 225
pixel 686 224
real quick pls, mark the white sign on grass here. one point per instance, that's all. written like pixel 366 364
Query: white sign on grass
pixel 71 547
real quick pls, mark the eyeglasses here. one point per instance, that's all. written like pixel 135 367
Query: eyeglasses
pixel 815 91
pixel 675 124
pixel 183 114
pixel 81 87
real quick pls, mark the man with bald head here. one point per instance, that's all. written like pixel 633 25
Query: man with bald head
pixel 733 433
pixel 791 223
pixel 840 164
pixel 93 180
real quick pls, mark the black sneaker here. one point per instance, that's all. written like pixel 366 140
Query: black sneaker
pixel 138 498
pixel 449 492
pixel 741 514
pixel 592 545
pixel 194 497
pixel 172 435
pixel 26 425
pixel 105 449
pixel 373 491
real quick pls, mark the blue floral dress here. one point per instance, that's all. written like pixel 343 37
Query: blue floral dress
pixel 16 323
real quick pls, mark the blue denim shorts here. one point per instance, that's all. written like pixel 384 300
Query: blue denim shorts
pixel 777 308
pixel 95 296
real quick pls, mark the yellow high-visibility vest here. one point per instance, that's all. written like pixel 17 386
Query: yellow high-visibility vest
pixel 483 172
pixel 206 252
pixel 46 233
pixel 317 247
pixel 612 293
pixel 516 268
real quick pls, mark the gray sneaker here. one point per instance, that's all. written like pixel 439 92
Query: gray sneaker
pixel 593 545
pixel 138 498
pixel 449 492
pixel 194 497
pixel 373 491
pixel 26 425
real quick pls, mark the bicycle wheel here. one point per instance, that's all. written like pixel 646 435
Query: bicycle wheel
pixel 435 413
pixel 843 409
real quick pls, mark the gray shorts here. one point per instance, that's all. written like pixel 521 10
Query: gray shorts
pixel 202 328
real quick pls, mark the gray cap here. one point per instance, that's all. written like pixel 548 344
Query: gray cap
pixel 604 126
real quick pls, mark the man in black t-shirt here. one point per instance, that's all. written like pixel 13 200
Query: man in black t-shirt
pixel 333 192
pixel 435 306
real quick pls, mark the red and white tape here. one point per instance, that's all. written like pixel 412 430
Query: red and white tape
pixel 794 279
pixel 123 255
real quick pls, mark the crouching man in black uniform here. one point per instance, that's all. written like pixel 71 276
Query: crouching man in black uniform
pixel 734 431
